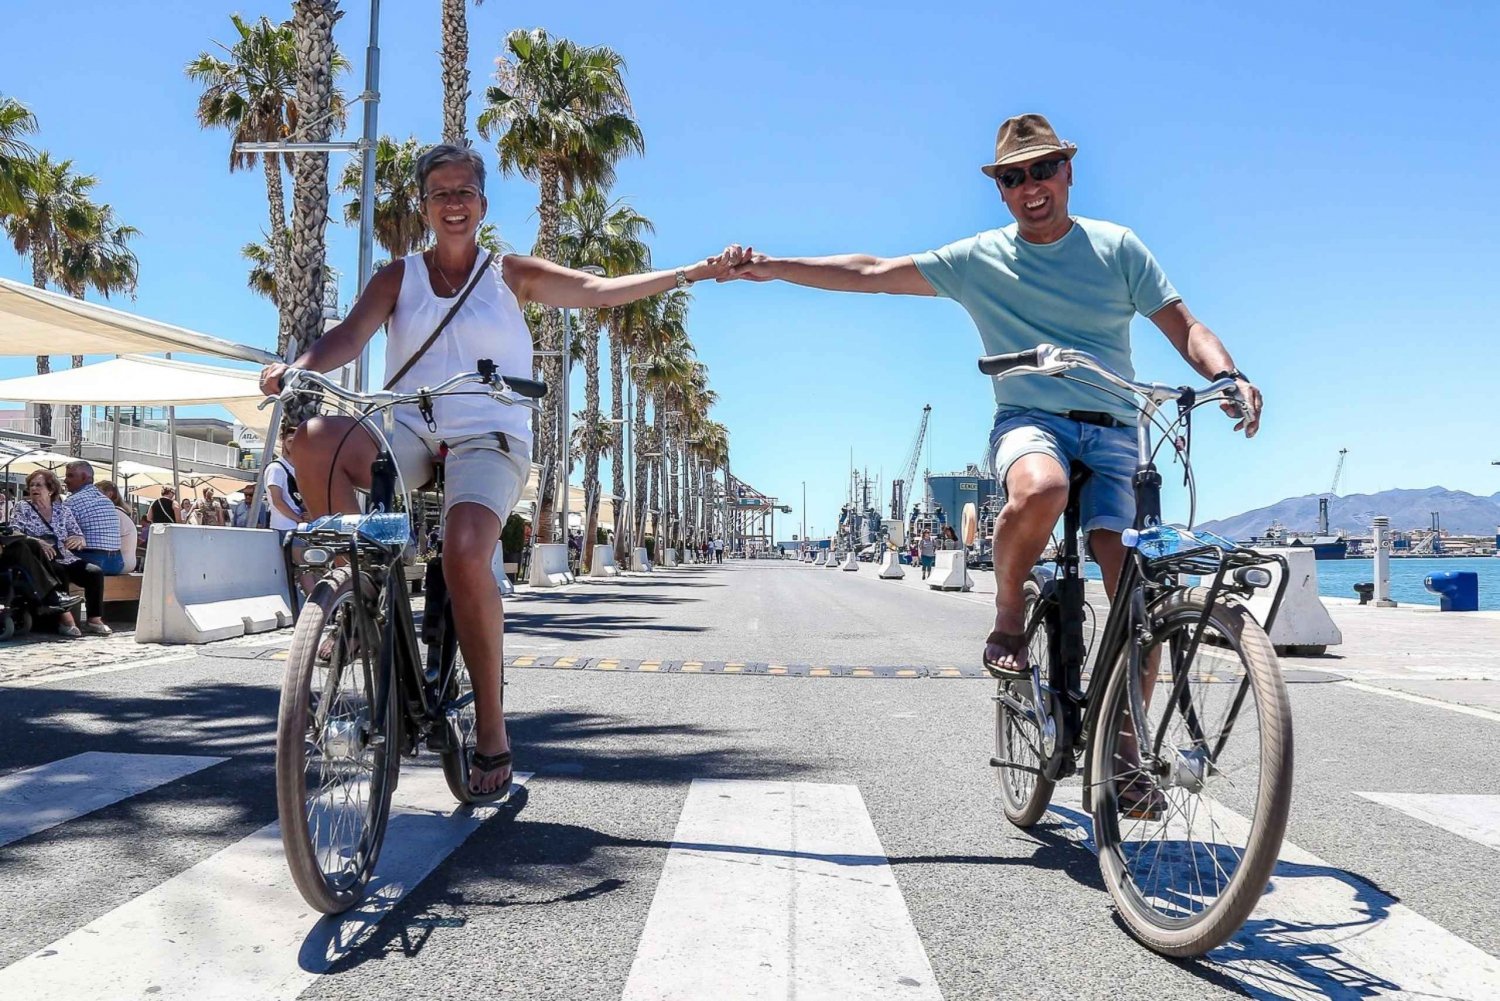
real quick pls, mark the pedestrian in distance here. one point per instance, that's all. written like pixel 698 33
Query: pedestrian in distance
pixel 927 553
pixel 43 516
pixel 97 516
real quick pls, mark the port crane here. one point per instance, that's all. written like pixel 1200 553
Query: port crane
pixel 1333 491
pixel 901 488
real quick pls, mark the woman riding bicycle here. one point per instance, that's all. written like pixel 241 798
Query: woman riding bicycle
pixel 488 443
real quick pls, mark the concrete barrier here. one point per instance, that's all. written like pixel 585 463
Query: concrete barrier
pixel 497 567
pixel 851 562
pixel 639 561
pixel 949 572
pixel 669 557
pixel 205 584
pixel 602 562
pixel 821 558
pixel 1303 626
pixel 834 561
pixel 890 566
pixel 549 565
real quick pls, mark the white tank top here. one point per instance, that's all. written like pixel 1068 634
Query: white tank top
pixel 488 325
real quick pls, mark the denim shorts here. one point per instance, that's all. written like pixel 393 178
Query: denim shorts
pixel 1108 500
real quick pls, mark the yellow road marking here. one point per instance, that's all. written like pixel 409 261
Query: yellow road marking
pixel 860 672
pixel 565 662
pixel 525 661
pixel 733 668
pixel 776 670
pixel 818 672
pixel 608 665
pixel 692 667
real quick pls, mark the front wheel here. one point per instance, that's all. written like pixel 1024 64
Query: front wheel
pixel 1189 828
pixel 1020 752
pixel 336 752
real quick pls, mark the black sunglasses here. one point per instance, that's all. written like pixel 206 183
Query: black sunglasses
pixel 1041 171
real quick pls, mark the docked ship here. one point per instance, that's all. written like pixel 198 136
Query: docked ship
pixel 1324 544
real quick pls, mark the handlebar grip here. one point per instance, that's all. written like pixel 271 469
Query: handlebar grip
pixel 1000 364
pixel 529 388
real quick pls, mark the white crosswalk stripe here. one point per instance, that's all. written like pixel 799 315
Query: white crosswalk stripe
pixel 234 926
pixel 778 890
pixel 1476 817
pixel 1321 933
pixel 770 890
pixel 34 799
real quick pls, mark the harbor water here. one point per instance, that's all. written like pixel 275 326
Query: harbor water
pixel 1336 578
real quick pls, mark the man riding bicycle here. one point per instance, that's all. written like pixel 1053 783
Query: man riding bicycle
pixel 1047 278
pixel 488 444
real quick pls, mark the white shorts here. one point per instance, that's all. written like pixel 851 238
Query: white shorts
pixel 477 469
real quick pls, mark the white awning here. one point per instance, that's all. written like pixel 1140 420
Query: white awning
pixel 35 321
pixel 138 380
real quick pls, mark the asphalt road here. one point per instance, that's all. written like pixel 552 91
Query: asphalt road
pixel 552 895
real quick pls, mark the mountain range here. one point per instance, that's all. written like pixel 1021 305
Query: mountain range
pixel 1459 512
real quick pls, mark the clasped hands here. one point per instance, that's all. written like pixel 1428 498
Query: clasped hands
pixel 735 263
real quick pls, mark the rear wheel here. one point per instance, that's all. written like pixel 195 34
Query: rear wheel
pixel 1187 873
pixel 336 761
pixel 1019 751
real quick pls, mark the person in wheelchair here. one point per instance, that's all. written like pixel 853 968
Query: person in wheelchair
pixel 30 583
pixel 445 308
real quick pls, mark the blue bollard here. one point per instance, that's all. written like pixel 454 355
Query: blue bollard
pixel 1457 590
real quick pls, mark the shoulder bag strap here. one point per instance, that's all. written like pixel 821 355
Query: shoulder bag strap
pixel 450 314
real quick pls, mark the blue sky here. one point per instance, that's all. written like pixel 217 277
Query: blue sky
pixel 1318 182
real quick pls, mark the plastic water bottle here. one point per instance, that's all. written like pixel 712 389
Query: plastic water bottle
pixel 386 528
pixel 1157 540
pixel 1164 540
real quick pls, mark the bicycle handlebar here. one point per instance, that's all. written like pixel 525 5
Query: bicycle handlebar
pixel 503 388
pixel 1049 359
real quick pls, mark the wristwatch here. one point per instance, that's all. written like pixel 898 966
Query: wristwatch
pixel 682 279
pixel 1231 373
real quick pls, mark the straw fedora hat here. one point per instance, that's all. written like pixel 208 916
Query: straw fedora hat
pixel 1025 137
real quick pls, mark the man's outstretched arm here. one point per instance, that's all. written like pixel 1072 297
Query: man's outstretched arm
pixel 839 273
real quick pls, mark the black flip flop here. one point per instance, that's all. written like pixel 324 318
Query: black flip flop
pixel 488 763
pixel 1141 800
pixel 1013 644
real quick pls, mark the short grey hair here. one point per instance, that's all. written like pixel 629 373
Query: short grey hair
pixel 86 467
pixel 446 153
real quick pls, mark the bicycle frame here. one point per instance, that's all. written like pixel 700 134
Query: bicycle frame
pixel 1143 585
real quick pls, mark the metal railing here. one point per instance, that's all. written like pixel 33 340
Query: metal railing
pixel 148 442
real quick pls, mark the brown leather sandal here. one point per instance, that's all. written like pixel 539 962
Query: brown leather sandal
pixel 1013 644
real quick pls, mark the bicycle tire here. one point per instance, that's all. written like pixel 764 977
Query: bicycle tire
pixel 1235 632
pixel 1024 795
pixel 307 684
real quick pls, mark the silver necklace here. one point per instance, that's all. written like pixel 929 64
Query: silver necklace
pixel 452 289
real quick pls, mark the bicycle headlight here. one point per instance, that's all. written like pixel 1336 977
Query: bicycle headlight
pixel 316 556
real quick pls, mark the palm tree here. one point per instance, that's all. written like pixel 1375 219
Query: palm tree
pixel 627 327
pixel 565 116
pixel 668 358
pixel 16 120
pixel 262 277
pixel 97 258
pixel 455 58
pixel 252 93
pixel 713 452
pixel 607 235
pixel 317 62
pixel 400 226
pixel 54 207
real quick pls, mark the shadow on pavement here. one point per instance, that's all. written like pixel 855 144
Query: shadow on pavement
pixel 561 625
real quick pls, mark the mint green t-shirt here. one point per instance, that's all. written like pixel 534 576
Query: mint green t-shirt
pixel 1079 292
